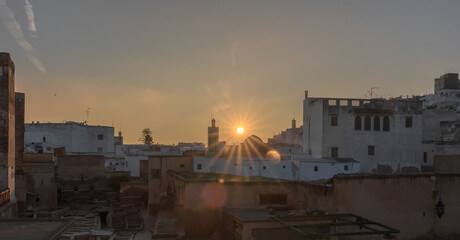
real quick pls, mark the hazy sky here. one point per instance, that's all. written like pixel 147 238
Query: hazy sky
pixel 169 65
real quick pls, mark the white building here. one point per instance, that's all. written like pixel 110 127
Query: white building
pixel 383 135
pixel 76 138
pixel 299 167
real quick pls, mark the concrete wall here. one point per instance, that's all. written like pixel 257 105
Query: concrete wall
pixel 77 138
pixel 7 124
pixel 294 170
pixel 134 164
pixel 313 126
pixel 39 169
pixel 157 175
pixel 405 202
pixel 431 119
pixel 80 168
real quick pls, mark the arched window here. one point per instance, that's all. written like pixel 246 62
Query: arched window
pixel 357 123
pixel 386 124
pixel 376 123
pixel 367 123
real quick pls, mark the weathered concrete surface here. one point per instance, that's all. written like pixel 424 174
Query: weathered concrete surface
pixel 405 202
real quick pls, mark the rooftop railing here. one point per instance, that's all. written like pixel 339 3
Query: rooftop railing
pixel 4 197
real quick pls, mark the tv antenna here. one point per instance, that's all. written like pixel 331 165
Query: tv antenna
pixel 371 92
pixel 87 115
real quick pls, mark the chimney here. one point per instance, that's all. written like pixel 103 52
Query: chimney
pixel 293 123
pixel 306 94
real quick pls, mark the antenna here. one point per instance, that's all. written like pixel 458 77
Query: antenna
pixel 87 115
pixel 371 92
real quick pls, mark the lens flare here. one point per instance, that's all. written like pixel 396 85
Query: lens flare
pixel 240 130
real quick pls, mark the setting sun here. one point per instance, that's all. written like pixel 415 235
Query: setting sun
pixel 240 130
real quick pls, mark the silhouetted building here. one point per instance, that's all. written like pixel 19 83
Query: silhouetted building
pixel 19 127
pixel 446 81
pixel 7 126
pixel 213 136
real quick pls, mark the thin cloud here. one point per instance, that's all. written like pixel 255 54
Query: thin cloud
pixel 30 17
pixel 9 21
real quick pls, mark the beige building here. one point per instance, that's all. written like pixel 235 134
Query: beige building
pixel 199 197
pixel 158 167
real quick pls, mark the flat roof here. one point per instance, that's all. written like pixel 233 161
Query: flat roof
pixel 33 229
pixel 226 178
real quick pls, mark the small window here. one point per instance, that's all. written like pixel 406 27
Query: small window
pixel 408 122
pixel 100 137
pixel 343 103
pixel 376 123
pixel 345 167
pixel 334 152
pixel 284 166
pixel 425 157
pixel 358 123
pixel 367 123
pixel 250 167
pixel 264 167
pixel 370 150
pixel 182 166
pixel 198 166
pixel 334 120
pixel 99 149
pixel 386 124
pixel 316 168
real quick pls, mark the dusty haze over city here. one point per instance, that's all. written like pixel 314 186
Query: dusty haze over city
pixel 168 65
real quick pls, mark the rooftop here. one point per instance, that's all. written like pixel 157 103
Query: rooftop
pixel 217 177
pixel 36 229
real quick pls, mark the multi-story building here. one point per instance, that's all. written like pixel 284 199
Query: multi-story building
pixel 384 135
pixel 76 138
pixel 446 81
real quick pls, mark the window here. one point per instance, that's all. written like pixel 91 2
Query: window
pixel 284 166
pixel 250 167
pixel 367 123
pixel 386 124
pixel 376 123
pixel 182 166
pixel 99 149
pixel 425 157
pixel 370 150
pixel 334 120
pixel 198 166
pixel 345 167
pixel 408 122
pixel 273 199
pixel 334 152
pixel 357 123
pixel 316 169
pixel 264 167
pixel 100 137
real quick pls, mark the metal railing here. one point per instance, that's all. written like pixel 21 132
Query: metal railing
pixel 4 197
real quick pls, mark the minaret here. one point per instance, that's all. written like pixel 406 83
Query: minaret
pixel 7 128
pixel 213 136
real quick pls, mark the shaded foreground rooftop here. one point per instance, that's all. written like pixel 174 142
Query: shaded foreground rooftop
pixel 37 229
pixel 218 177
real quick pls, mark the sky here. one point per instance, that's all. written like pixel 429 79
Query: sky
pixel 171 65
